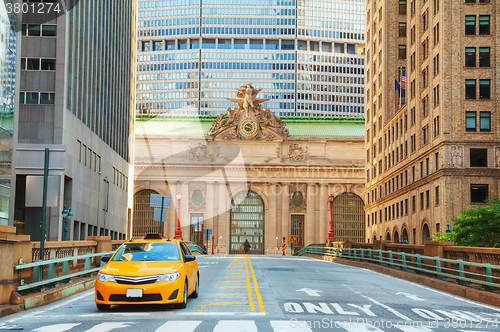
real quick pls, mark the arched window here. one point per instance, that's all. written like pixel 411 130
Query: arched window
pixel 425 233
pixel 348 218
pixel 143 214
pixel 247 223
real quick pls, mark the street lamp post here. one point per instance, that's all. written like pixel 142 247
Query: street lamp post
pixel 212 244
pixel 331 235
pixel 276 245
pixel 67 217
pixel 178 232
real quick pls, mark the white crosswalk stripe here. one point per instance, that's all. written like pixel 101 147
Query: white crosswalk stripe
pixel 56 328
pixel 105 327
pixel 179 325
pixel 236 326
pixel 286 326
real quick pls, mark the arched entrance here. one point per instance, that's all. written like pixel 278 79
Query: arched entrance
pixel 143 214
pixel 349 218
pixel 388 236
pixel 405 236
pixel 425 233
pixel 396 236
pixel 247 223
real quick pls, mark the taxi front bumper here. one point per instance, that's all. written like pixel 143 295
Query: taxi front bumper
pixel 162 292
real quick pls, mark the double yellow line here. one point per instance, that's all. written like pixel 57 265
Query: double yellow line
pixel 248 262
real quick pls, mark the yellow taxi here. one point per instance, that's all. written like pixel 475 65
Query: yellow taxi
pixel 149 271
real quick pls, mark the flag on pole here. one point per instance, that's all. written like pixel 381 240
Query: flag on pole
pixel 398 87
pixel 403 77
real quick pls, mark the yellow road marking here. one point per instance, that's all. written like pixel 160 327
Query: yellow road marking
pixel 226 303
pixel 236 273
pixel 241 276
pixel 249 291
pixel 233 261
pixel 202 307
pixel 228 294
pixel 256 287
pixel 232 287
pixel 233 281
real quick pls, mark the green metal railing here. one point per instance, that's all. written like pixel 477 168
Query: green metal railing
pixel 477 273
pixel 196 248
pixel 51 276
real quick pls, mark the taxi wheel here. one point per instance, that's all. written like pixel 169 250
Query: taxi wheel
pixel 183 304
pixel 103 307
pixel 197 288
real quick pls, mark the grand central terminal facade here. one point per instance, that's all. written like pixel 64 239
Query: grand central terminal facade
pixel 250 175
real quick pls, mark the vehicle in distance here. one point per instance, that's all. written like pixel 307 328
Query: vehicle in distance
pixel 148 271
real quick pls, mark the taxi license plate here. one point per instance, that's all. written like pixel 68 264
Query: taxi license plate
pixel 134 292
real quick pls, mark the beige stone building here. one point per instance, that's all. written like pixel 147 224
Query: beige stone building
pixel 437 151
pixel 248 175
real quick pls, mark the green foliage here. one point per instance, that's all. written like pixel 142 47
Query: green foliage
pixel 478 226
pixel 443 236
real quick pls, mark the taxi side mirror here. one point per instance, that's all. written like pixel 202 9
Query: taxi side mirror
pixel 105 259
pixel 189 258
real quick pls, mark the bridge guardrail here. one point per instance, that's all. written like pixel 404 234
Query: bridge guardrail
pixel 51 276
pixel 435 266
pixel 196 248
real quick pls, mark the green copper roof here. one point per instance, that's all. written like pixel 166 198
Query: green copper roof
pixel 183 125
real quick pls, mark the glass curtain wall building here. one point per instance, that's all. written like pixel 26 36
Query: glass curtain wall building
pixel 307 56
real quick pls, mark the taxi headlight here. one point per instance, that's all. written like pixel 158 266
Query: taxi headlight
pixel 105 277
pixel 169 277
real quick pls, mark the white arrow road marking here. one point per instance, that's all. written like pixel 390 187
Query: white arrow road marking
pixel 56 328
pixel 310 292
pixel 235 326
pixel 397 313
pixel 105 327
pixel 289 325
pixel 411 296
pixel 179 325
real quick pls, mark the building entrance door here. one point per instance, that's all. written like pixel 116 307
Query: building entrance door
pixel 247 223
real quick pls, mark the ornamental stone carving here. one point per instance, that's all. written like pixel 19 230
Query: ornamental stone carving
pixel 456 156
pixel 198 151
pixel 197 203
pixel 497 157
pixel 248 120
pixel 298 152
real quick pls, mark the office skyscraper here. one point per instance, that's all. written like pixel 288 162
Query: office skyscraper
pixel 437 152
pixel 307 56
pixel 77 98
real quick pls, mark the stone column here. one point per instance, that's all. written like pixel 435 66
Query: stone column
pixel 208 223
pixel 324 217
pixel 185 217
pixel 310 222
pixel 270 237
pixel 222 244
pixel 285 214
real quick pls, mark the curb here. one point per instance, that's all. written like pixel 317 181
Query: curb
pixel 53 295
pixel 10 309
pixel 448 287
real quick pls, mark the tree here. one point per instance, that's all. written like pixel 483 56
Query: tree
pixel 478 226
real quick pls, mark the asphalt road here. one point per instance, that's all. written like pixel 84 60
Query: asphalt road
pixel 275 294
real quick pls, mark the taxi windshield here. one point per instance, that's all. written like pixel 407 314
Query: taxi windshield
pixel 137 252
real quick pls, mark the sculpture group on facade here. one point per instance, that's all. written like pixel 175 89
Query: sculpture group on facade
pixel 248 119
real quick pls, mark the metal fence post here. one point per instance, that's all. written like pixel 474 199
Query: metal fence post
pixel 370 254
pixel 37 272
pixel 391 261
pixel 419 263
pixel 437 259
pixel 461 271
pixel 52 270
pixel 380 256
pixel 87 263
pixel 403 262
pixel 66 267
pixel 488 278
pixel 362 255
